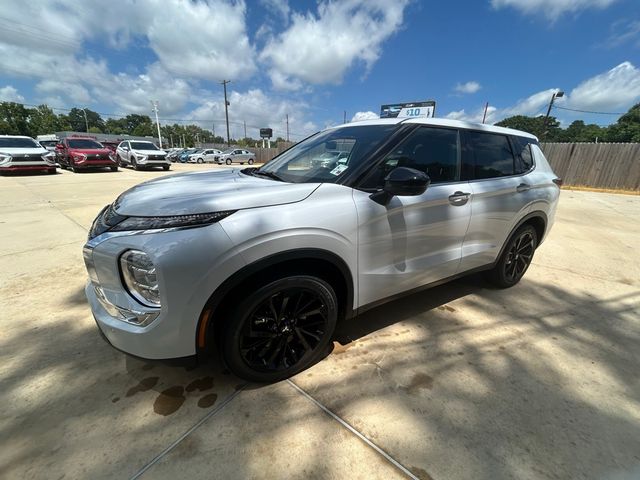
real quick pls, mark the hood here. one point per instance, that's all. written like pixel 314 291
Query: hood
pixel 91 151
pixel 24 151
pixel 149 152
pixel 207 192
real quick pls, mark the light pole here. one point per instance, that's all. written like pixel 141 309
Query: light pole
pixel 226 109
pixel 86 123
pixel 154 107
pixel 558 94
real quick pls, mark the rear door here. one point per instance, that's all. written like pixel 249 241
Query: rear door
pixel 501 194
pixel 413 240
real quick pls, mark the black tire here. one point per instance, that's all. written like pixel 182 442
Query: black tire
pixel 280 329
pixel 516 258
pixel 75 169
pixel 165 167
pixel 121 162
pixel 114 169
pixel 250 162
pixel 135 165
pixel 51 171
pixel 228 161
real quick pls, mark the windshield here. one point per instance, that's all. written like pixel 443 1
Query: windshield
pixel 327 155
pixel 143 146
pixel 86 144
pixel 48 143
pixel 18 143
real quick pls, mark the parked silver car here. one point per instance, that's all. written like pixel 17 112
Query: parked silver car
pixel 264 262
pixel 236 155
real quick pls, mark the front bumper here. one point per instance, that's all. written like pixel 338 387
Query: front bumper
pixel 188 270
pixel 26 166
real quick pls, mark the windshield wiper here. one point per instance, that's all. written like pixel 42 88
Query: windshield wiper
pixel 271 175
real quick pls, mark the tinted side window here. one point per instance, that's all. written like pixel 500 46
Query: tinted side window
pixel 490 153
pixel 524 159
pixel 431 150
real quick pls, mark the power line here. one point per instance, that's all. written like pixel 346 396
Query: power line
pixel 589 111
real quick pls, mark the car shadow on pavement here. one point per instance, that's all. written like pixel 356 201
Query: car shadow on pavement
pixel 538 381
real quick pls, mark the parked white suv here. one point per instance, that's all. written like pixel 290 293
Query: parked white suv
pixel 19 153
pixel 264 262
pixel 140 154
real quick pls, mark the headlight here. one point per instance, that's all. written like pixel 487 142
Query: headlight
pixel 177 221
pixel 139 274
pixel 5 158
pixel 79 156
pixel 140 157
pixel 49 157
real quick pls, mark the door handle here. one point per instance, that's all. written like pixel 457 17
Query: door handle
pixel 459 198
pixel 523 187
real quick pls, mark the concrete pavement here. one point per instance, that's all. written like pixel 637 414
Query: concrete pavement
pixel 462 381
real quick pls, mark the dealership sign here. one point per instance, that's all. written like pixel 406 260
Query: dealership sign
pixel 409 110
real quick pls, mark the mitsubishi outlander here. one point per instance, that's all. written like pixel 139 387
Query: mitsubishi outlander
pixel 264 262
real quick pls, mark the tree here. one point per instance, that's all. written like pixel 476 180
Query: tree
pixel 42 121
pixel 77 120
pixel 14 119
pixel 535 126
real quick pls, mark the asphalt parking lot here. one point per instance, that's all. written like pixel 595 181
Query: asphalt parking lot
pixel 462 381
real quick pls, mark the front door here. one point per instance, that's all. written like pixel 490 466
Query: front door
pixel 413 240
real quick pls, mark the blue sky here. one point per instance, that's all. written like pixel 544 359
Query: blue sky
pixel 314 60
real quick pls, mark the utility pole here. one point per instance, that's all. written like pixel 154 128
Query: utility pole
pixel 213 129
pixel 345 117
pixel 86 123
pixel 154 107
pixel 245 128
pixel 287 127
pixel 171 139
pixel 226 109
pixel 558 94
pixel 484 116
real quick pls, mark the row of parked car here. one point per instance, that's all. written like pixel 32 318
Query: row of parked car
pixel 83 152
pixel 211 155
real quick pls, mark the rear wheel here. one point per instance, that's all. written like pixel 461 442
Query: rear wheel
pixel 280 329
pixel 516 257
pixel 250 162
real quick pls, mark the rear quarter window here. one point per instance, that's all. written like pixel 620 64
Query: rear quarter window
pixel 524 157
pixel 488 155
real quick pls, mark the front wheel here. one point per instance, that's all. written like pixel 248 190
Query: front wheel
pixel 228 161
pixel 165 167
pixel 114 169
pixel 280 329
pixel 200 160
pixel 516 258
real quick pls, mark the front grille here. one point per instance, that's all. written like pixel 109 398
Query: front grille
pixel 98 156
pixel 26 157
pixel 156 157
pixel 106 219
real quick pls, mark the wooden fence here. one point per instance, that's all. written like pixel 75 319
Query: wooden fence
pixel 600 165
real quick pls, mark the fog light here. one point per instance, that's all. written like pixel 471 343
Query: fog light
pixel 134 317
pixel 139 274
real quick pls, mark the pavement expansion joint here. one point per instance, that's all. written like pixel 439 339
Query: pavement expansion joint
pixel 213 412
pixel 357 433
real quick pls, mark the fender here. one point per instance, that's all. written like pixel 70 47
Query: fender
pixel 537 214
pixel 235 280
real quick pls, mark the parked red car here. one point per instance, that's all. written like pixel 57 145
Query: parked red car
pixel 79 153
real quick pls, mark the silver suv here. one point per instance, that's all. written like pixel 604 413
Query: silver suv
pixel 264 262
pixel 141 154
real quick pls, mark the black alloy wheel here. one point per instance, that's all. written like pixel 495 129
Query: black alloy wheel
pixel 281 329
pixel 516 257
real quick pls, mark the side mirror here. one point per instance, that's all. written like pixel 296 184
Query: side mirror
pixel 401 181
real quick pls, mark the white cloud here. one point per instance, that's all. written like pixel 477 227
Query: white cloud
pixel 10 94
pixel 256 109
pixel 468 87
pixel 623 32
pixel 280 7
pixel 616 89
pixel 320 48
pixel 475 116
pixel 202 40
pixel 359 116
pixel 552 9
